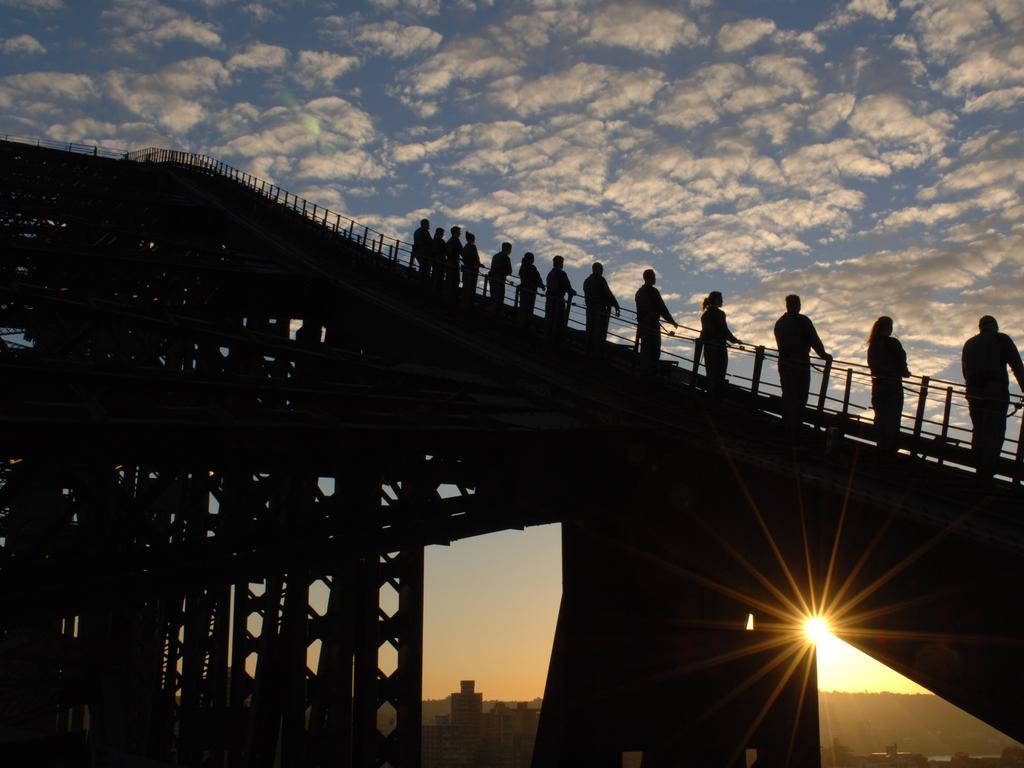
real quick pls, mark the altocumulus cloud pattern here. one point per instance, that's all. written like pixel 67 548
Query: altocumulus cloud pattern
pixel 866 154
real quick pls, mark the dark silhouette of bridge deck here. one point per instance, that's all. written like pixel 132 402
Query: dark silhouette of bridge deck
pixel 219 396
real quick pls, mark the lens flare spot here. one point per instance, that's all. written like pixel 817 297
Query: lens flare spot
pixel 312 124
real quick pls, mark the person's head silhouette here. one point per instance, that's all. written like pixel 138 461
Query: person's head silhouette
pixel 793 303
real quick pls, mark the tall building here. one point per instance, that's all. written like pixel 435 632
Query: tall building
pixel 471 738
pixel 468 708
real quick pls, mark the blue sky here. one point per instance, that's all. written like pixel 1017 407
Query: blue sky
pixel 867 154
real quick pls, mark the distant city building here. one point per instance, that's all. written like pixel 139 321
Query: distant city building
pixel 470 738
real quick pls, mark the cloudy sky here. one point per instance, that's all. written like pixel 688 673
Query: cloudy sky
pixel 867 154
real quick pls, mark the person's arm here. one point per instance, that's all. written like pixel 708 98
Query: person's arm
pixel 1015 363
pixel 816 344
pixel 901 358
pixel 612 301
pixel 665 314
pixel 728 334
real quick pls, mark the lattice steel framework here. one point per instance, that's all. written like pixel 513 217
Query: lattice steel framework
pixel 210 544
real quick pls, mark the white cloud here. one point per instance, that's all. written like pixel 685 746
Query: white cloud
pixel 349 164
pixel 986 68
pixel 59 86
pixel 1004 99
pixel 260 13
pixel 813 166
pixel 605 90
pixel 259 56
pixel 471 58
pixel 140 24
pixel 777 124
pixel 643 28
pixel 22 44
pixel 945 27
pixel 324 67
pixel 34 5
pixel 171 97
pixel 394 39
pixel 854 11
pixel 834 108
pixel 423 7
pixel 315 127
pixel 888 121
pixel 744 33
pixel 695 100
pixel 790 72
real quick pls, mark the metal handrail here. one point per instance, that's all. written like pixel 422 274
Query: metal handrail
pixel 855 377
pixel 66 146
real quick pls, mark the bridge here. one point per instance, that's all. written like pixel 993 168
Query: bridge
pixel 233 419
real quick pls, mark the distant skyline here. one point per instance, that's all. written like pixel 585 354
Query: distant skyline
pixel 491 604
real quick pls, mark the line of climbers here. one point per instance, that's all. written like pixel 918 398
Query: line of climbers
pixel 984 358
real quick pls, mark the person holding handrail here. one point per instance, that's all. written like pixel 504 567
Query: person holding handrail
pixel 529 283
pixel 888 363
pixel 600 302
pixel 470 267
pixel 556 300
pixel 650 309
pixel 984 360
pixel 714 333
pixel 421 248
pixel 452 256
pixel 795 337
pixel 501 268
pixel 438 249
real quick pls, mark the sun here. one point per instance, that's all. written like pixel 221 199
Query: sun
pixel 816 630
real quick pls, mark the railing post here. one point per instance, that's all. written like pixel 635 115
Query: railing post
pixel 846 392
pixel 337 221
pixel 698 350
pixel 314 211
pixel 823 392
pixel 1018 465
pixel 922 400
pixel 945 419
pixel 303 207
pixel 351 225
pixel 380 244
pixel 755 377
pixel 366 234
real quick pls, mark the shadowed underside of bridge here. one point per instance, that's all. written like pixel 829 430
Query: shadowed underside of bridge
pixel 229 434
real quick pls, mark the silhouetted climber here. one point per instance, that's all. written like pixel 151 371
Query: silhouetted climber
pixel 600 301
pixel 650 309
pixel 888 363
pixel 452 256
pixel 556 300
pixel 529 283
pixel 438 248
pixel 795 337
pixel 421 248
pixel 470 266
pixel 984 360
pixel 714 333
pixel 501 268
